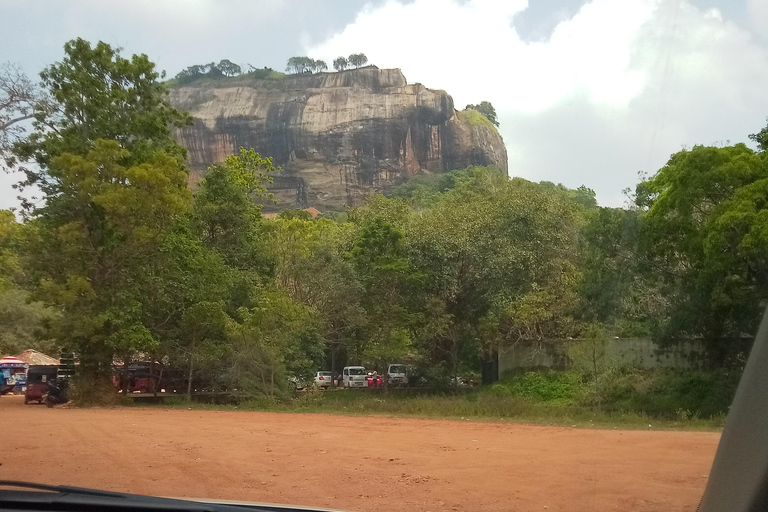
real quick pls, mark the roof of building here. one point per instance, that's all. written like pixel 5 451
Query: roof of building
pixel 33 357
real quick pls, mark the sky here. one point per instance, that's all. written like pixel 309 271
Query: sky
pixel 588 92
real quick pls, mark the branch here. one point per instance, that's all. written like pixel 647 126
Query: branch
pixel 14 121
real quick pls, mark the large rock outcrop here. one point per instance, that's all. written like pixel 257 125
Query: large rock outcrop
pixel 336 136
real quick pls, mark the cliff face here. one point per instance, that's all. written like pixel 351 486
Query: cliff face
pixel 336 136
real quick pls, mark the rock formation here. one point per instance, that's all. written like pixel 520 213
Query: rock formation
pixel 336 136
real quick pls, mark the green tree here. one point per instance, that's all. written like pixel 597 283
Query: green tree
pixel 319 66
pixel 23 321
pixel 492 249
pixel 97 94
pixel 340 63
pixel 276 339
pixel 388 280
pixel 485 108
pixel 301 65
pixel 229 68
pixel 94 239
pixel 704 233
pixel 357 59
pixel 225 213
pixel 761 139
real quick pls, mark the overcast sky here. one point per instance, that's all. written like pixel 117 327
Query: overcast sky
pixel 588 92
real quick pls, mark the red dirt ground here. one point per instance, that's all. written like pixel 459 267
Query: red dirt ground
pixel 348 463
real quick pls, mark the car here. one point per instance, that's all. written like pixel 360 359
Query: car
pixel 397 375
pixel 323 379
pixel 354 377
pixel 459 382
pixel 297 382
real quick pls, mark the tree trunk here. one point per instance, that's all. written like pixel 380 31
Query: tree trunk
pixel 125 375
pixel 191 368
pixel 152 383
pixel 333 365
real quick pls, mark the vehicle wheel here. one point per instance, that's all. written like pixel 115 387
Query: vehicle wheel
pixel 26 401
pixel 49 402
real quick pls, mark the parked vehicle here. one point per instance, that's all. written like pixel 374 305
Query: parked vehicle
pixel 397 375
pixel 460 382
pixel 56 392
pixel 38 378
pixel 354 377
pixel 297 382
pixel 323 379
pixel 139 379
pixel 15 373
pixel 374 380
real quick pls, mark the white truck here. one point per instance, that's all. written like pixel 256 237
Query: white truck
pixel 397 375
pixel 354 377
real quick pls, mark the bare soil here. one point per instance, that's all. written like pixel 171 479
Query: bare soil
pixel 354 463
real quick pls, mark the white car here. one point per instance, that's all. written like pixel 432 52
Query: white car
pixel 354 377
pixel 297 382
pixel 396 375
pixel 323 379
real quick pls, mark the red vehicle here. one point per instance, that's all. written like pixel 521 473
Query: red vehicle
pixel 374 380
pixel 38 377
pixel 138 379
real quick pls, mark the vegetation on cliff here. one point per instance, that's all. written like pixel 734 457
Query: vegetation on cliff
pixel 224 69
pixel 485 108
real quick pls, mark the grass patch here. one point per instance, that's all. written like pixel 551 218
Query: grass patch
pixel 553 398
pixel 475 118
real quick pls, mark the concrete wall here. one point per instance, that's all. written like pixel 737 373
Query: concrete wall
pixel 639 352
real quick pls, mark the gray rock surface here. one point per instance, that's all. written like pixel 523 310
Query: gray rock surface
pixel 336 136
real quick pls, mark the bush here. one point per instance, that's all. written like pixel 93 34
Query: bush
pixel 657 393
pixel 553 387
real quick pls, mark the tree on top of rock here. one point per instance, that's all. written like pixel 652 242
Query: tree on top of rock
pixel 229 68
pixel 357 60
pixel 340 63
pixel 487 110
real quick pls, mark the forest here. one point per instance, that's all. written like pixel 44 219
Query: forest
pixel 115 258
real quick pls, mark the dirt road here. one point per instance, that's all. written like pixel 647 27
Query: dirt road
pixel 350 463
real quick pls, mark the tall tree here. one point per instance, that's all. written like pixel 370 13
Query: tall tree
pixel 340 63
pixel 357 60
pixel 97 235
pixel 229 68
pixel 97 94
pixel 113 183
pixel 318 66
pixel 704 232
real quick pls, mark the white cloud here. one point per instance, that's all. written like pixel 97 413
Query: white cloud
pixel 473 44
pixel 613 91
pixel 757 11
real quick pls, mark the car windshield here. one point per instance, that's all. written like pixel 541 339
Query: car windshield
pixel 553 213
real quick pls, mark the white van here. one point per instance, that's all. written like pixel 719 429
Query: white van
pixel 396 375
pixel 354 377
